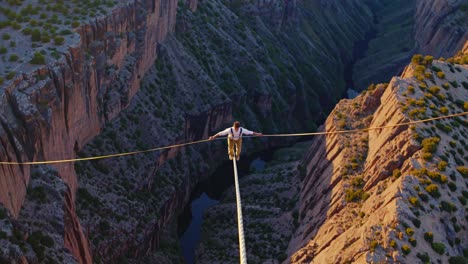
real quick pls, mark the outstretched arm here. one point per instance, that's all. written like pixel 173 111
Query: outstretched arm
pixel 257 134
pixel 222 133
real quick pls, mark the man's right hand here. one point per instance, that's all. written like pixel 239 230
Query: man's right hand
pixel 211 138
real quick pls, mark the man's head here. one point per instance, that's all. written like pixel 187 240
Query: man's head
pixel 236 124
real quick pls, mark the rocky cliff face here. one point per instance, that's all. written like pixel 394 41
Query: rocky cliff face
pixel 52 112
pixel 436 27
pixel 196 85
pixel 438 22
pixel 263 63
pixel 391 195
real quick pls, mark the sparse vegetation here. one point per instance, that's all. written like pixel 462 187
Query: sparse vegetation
pixel 353 195
pixel 439 248
pixel 463 171
pixel 38 58
pixel 406 249
pixel 373 245
pixel 424 257
pixel 433 190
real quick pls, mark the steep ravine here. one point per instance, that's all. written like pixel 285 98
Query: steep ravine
pixel 176 102
pixel 262 64
pixel 436 27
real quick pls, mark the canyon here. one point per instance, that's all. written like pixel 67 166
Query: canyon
pixel 357 206
pixel 147 75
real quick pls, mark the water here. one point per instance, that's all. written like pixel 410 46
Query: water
pixel 191 237
pixel 210 192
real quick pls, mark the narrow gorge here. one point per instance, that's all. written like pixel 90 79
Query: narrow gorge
pixel 134 75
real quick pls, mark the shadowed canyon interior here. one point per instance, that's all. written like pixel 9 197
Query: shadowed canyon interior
pixel 81 79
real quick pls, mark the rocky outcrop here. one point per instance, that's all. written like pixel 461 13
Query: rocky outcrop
pixel 52 112
pixel 435 27
pixel 372 197
pixel 440 27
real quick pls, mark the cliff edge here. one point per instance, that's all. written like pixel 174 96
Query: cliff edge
pixel 394 195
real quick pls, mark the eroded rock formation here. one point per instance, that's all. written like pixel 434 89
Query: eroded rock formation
pixel 52 112
pixel 389 195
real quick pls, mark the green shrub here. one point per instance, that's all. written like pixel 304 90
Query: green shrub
pixel 396 173
pixel 45 38
pixel 409 231
pixel 426 156
pixel 465 84
pixel 416 222
pixel 38 58
pixel 3 50
pixel 438 177
pixel 463 171
pixel 6 36
pixel 417 59
pixel 429 237
pixel 357 182
pixel 433 190
pixel 373 245
pixel 462 200
pixel 405 249
pixel 452 186
pixel 412 241
pixel 448 207
pixel 442 165
pixel 429 145
pixel 10 75
pixel 13 57
pixel 434 89
pixel 27 31
pixel 58 40
pixel 36 35
pixel 393 244
pixel 414 201
pixel 441 75
pixel 458 260
pixel 454 84
pixel 424 257
pixel 352 195
pixel 444 110
pixel 1 80
pixel 439 248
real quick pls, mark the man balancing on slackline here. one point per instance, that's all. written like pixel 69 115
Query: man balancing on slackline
pixel 235 138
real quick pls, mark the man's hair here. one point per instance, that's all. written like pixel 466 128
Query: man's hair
pixel 237 124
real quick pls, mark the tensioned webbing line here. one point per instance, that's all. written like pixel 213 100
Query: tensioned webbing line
pixel 240 221
pixel 206 140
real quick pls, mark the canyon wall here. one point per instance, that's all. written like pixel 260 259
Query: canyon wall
pixel 246 70
pixel 269 64
pixel 402 28
pixel 439 21
pixel 50 113
pixel 384 195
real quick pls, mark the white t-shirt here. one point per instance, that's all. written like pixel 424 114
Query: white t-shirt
pixel 235 133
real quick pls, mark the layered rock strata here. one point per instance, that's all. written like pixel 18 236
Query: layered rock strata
pixel 389 195
pixel 52 112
